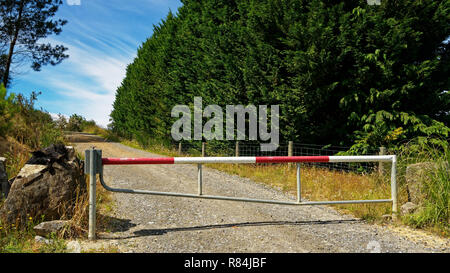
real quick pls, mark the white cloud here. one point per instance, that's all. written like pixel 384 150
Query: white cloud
pixel 74 2
pixel 56 116
pixel 86 81
pixel 103 38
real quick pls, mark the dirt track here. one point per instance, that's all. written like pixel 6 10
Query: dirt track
pixel 170 224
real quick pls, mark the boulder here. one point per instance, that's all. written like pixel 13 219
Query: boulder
pixel 416 175
pixel 4 185
pixel 408 208
pixel 46 228
pixel 46 187
pixel 73 247
pixel 42 240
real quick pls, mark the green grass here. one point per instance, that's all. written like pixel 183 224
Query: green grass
pixel 434 211
pixel 21 240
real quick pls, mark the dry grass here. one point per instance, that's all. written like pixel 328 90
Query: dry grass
pixel 79 224
pixel 96 130
pixel 79 216
pixel 321 184
pixel 154 148
pixel 16 155
pixel 318 184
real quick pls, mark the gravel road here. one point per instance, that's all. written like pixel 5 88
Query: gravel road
pixel 155 224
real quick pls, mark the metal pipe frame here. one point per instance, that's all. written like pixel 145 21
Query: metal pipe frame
pixel 243 160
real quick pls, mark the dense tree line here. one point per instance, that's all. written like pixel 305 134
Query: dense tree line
pixel 342 72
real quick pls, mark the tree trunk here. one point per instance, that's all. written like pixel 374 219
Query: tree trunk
pixel 8 62
pixel 11 47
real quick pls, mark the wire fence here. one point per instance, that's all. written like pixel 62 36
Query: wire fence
pixel 248 148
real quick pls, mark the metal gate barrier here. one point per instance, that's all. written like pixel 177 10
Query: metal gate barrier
pixel 94 165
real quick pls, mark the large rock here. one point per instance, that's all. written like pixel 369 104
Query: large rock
pixel 4 189
pixel 46 187
pixel 46 228
pixel 408 208
pixel 416 175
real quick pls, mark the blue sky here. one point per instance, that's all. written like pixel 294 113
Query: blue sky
pixel 103 37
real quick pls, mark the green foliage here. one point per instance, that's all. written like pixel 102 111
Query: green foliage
pixel 7 110
pixel 75 123
pixel 29 126
pixel 23 25
pixel 343 73
pixel 32 127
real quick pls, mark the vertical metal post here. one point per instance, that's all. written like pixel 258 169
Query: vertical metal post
pixel 92 193
pixel 299 186
pixel 179 148
pixel 394 187
pixel 381 164
pixel 237 148
pixel 200 178
pixel 203 149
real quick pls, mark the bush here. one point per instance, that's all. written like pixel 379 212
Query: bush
pixel 7 110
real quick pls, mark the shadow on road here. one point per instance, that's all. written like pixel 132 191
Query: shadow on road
pixel 114 224
pixel 153 232
pixel 77 137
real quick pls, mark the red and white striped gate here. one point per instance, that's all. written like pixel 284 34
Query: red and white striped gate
pixel 94 165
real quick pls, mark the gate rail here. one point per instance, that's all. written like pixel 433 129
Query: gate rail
pixel 94 165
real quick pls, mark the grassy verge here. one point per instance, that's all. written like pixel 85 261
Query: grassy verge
pixel 15 240
pixel 433 213
pixel 322 184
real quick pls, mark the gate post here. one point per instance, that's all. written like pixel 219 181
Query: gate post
pixel 92 167
pixel 394 187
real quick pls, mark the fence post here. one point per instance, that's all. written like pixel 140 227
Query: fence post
pixel 394 187
pixel 237 148
pixel 381 164
pixel 179 148
pixel 92 167
pixel 203 149
pixel 291 148
pixel 290 151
